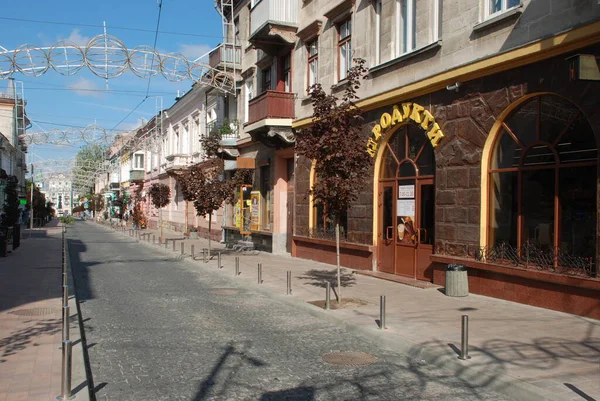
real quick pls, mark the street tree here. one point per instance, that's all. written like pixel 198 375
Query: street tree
pixel 89 159
pixel 336 145
pixel 160 195
pixel 11 202
pixel 205 186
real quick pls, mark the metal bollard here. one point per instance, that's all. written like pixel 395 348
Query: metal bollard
pixel 192 251
pixel 166 243
pixel 65 295
pixel 327 295
pixel 237 265
pixel 260 280
pixel 289 283
pixel 65 387
pixel 182 248
pixel 173 245
pixel 464 338
pixel 219 260
pixel 153 239
pixel 382 312
pixel 65 318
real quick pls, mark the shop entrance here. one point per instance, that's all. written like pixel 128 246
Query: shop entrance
pixel 406 203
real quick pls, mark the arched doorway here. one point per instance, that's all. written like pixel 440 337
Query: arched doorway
pixel 541 203
pixel 406 203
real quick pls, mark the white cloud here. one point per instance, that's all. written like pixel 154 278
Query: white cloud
pixel 192 52
pixel 77 38
pixel 86 87
pixel 104 106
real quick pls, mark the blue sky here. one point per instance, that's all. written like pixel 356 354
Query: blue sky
pixel 55 101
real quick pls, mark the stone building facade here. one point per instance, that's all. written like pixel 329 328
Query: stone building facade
pixel 443 114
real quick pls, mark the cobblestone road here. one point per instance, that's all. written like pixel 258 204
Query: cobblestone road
pixel 162 329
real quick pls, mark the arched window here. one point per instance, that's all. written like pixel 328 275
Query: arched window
pixel 543 184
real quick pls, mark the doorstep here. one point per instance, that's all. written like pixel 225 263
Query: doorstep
pixel 413 282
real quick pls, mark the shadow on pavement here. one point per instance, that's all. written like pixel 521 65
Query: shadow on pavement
pixel 20 339
pixel 319 278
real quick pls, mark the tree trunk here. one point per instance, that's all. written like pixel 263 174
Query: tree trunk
pixel 337 256
pixel 209 228
pixel 160 222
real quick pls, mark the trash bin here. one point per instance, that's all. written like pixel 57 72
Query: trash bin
pixel 457 282
pixel 16 242
pixel 2 245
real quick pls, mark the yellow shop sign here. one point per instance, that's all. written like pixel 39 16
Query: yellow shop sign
pixel 399 114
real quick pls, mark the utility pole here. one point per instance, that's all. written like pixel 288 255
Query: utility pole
pixel 31 206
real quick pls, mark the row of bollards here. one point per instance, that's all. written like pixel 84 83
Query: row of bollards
pixel 464 349
pixel 65 388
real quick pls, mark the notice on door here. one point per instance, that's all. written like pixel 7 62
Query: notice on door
pixel 406 191
pixel 405 207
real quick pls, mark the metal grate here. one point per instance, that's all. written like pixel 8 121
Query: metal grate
pixel 34 312
pixel 349 358
pixel 530 256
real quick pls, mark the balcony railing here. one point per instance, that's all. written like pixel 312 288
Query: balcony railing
pixel 285 11
pixel 217 124
pixel 225 54
pixel 136 175
pixel 271 104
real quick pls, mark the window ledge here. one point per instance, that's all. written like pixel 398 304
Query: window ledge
pixel 341 84
pixel 501 17
pixel 434 45
pixel 343 244
pixel 537 275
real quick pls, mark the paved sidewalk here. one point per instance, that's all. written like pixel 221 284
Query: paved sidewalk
pixel 524 351
pixel 30 321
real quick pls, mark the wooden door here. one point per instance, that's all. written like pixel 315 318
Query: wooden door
pixel 426 224
pixel 387 232
pixel 406 227
pixel 290 205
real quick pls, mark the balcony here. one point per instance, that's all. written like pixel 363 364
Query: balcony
pixel 271 104
pixel 226 55
pixel 136 175
pixel 177 162
pixel 227 138
pixel 273 23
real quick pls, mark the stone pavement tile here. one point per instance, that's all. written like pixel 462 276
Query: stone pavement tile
pixel 533 344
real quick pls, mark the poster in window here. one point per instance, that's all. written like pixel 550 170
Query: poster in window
pixel 405 212
pixel 406 192
pixel 255 211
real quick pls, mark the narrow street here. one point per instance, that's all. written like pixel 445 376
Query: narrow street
pixel 159 329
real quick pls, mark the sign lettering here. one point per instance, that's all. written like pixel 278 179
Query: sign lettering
pixel 412 111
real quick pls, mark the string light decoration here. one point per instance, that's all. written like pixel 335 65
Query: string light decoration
pixel 108 57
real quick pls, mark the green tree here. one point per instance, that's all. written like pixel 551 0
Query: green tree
pixel 160 195
pixel 88 160
pixel 337 146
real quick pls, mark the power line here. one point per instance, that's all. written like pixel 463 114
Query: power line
pixel 70 126
pixel 130 113
pixel 154 46
pixel 112 27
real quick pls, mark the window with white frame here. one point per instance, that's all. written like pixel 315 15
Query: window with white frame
pixel 493 7
pixel 249 96
pixel 138 161
pixel 313 61
pixel 185 143
pixel 402 26
pixel 175 141
pixel 344 48
pixel 196 135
